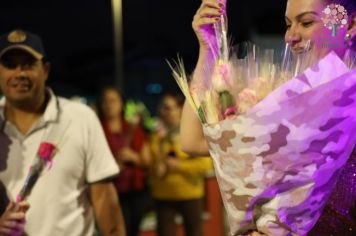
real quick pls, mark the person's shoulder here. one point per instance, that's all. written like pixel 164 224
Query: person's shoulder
pixel 74 107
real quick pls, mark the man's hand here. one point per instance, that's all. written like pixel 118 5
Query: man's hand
pixel 172 164
pixel 13 222
pixel 126 154
pixel 160 170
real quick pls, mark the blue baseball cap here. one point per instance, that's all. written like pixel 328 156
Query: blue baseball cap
pixel 23 40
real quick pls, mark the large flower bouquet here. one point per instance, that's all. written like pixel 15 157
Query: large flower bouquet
pixel 278 133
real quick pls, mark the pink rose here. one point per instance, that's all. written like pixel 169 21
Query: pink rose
pixel 246 99
pixel 46 151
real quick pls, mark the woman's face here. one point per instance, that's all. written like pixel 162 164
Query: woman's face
pixel 111 104
pixel 170 111
pixel 304 21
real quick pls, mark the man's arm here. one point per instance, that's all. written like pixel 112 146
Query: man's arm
pixel 107 209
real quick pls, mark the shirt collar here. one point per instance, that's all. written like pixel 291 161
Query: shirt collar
pixel 51 113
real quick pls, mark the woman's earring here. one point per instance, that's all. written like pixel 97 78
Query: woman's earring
pixel 348 38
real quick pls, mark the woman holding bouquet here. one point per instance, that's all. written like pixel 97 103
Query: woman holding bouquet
pixel 305 28
pixel 128 143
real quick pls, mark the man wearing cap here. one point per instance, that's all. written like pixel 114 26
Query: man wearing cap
pixel 75 188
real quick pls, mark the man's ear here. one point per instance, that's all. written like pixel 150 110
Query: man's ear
pixel 47 68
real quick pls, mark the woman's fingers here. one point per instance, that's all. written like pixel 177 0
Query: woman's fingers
pixel 210 10
pixel 205 21
pixel 208 13
pixel 213 4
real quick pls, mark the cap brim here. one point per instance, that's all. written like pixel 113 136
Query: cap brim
pixel 26 48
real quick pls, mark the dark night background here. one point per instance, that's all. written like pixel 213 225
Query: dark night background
pixel 78 37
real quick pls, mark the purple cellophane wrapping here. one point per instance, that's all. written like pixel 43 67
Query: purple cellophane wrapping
pixel 276 164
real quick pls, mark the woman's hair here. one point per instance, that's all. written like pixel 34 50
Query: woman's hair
pixel 101 98
pixel 178 98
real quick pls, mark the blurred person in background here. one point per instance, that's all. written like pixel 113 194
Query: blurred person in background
pixel 177 178
pixel 129 145
pixel 77 188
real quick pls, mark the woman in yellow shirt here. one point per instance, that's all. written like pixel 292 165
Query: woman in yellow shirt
pixel 177 178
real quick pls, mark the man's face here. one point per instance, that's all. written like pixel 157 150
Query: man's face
pixel 22 77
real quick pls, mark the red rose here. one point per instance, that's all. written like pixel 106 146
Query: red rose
pixel 46 151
